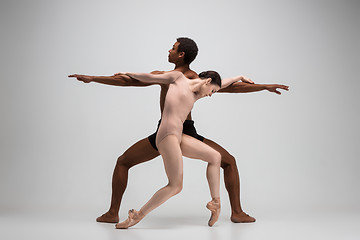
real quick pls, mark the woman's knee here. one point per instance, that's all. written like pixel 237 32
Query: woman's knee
pixel 176 186
pixel 215 158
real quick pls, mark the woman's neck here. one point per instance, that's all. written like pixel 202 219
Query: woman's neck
pixel 195 85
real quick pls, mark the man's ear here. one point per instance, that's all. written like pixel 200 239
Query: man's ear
pixel 182 54
pixel 208 81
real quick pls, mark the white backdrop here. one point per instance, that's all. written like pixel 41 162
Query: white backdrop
pixel 60 138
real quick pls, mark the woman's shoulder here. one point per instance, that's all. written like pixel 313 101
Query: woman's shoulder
pixel 177 75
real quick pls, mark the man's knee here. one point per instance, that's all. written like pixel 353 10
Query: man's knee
pixel 123 161
pixel 227 160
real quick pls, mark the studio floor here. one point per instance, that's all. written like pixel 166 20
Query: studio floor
pixel 67 225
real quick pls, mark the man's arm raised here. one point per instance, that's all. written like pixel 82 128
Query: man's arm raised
pixel 115 80
pixel 242 87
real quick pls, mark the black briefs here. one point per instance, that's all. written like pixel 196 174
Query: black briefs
pixel 188 129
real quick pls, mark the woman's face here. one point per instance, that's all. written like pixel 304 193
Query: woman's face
pixel 209 89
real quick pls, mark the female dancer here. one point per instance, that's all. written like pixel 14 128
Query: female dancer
pixel 172 144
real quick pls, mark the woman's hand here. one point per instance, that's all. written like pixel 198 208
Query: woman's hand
pixel 120 73
pixel 246 80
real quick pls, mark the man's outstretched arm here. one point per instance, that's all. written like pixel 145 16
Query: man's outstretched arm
pixel 242 87
pixel 115 80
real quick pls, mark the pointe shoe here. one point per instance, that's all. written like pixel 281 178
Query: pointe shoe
pixel 133 218
pixel 214 207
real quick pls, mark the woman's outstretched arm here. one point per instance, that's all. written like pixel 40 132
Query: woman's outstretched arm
pixel 164 78
pixel 228 81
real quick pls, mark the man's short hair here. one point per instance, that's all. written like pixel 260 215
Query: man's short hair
pixel 189 47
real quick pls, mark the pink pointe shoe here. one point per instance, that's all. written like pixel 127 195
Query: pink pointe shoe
pixel 133 218
pixel 214 207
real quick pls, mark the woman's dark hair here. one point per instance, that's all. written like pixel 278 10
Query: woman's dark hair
pixel 215 77
pixel 189 47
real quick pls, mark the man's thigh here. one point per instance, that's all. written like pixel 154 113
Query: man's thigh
pixel 140 152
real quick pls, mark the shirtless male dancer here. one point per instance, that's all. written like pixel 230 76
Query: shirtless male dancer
pixel 184 51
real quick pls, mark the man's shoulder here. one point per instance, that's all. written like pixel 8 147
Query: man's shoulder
pixel 191 74
pixel 188 74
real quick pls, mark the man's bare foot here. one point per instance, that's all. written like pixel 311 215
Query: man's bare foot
pixel 242 218
pixel 108 218
pixel 214 207
pixel 134 218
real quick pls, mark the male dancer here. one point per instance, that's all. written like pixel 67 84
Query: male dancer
pixel 184 51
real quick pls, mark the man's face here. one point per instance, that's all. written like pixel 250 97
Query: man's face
pixel 174 55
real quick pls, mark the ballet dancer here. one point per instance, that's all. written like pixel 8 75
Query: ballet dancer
pixel 183 52
pixel 172 144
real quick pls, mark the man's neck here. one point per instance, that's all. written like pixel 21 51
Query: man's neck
pixel 182 67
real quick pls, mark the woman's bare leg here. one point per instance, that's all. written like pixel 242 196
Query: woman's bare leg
pixel 170 151
pixel 194 148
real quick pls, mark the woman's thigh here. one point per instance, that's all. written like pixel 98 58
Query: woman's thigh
pixel 170 151
pixel 193 148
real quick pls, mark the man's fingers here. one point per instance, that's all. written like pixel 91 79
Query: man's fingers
pixel 285 87
pixel 74 75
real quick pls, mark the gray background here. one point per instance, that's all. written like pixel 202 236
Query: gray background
pixel 60 138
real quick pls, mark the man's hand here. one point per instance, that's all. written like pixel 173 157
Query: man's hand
pixel 246 80
pixel 83 78
pixel 273 88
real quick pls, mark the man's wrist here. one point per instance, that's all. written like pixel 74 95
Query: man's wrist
pixel 92 78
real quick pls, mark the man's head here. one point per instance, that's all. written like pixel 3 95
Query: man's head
pixel 183 51
pixel 212 83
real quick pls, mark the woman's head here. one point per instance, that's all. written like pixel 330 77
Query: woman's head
pixel 212 82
